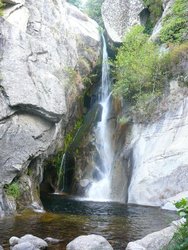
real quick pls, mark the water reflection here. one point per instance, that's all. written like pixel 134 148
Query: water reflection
pixel 69 218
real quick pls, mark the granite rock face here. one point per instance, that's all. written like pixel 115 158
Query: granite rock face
pixel 159 160
pixel 120 17
pixel 46 47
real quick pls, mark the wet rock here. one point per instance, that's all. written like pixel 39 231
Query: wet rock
pixel 89 242
pixel 120 17
pixel 84 183
pixel 52 240
pixel 13 241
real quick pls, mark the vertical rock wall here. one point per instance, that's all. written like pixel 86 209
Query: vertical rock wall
pixel 46 48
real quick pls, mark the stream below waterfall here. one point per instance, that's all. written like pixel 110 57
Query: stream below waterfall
pixel 66 218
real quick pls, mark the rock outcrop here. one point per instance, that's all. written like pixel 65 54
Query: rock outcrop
pixel 154 241
pixel 46 49
pixel 159 157
pixel 119 16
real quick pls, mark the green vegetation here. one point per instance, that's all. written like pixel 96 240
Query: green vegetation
pixel 180 238
pixel 142 72
pixel 137 68
pixel 175 24
pixel 55 161
pixel 174 61
pixel 13 190
pixel 1 8
pixel 70 136
pixel 93 9
pixel 155 8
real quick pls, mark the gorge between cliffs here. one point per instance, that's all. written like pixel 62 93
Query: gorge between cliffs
pixel 93 123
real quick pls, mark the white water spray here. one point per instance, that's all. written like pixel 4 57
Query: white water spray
pixel 100 190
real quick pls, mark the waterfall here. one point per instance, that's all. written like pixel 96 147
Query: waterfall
pixel 100 190
pixel 60 175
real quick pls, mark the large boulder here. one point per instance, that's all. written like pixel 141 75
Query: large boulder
pixel 169 204
pixel 44 56
pixel 89 242
pixel 119 16
pixel 156 240
pixel 27 241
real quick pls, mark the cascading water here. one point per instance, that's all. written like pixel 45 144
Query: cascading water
pixel 100 190
pixel 60 175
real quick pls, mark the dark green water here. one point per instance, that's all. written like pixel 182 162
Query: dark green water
pixel 68 218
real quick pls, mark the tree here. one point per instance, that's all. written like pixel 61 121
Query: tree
pixel 174 29
pixel 156 9
pixel 137 67
pixel 93 9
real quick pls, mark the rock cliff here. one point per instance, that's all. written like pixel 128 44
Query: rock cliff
pixel 120 16
pixel 151 157
pixel 46 49
pixel 159 161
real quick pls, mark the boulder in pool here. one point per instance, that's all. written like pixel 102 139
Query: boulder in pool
pixel 89 242
pixel 24 246
pixel 33 242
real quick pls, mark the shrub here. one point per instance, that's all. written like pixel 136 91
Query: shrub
pixel 180 238
pixel 13 190
pixel 93 9
pixel 174 63
pixel 175 24
pixel 137 67
pixel 1 8
pixel 156 9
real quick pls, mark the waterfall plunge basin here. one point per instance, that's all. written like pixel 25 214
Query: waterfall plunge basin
pixel 66 218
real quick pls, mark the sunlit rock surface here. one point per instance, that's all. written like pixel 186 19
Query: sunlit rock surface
pixel 89 242
pixel 46 48
pixel 119 16
pixel 160 156
pixel 154 241
pixel 169 204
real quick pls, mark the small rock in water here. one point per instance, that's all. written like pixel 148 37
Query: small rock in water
pixel 24 246
pixel 89 242
pixel 84 183
pixel 28 241
pixel 52 240
pixel 13 241
pixel 36 241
